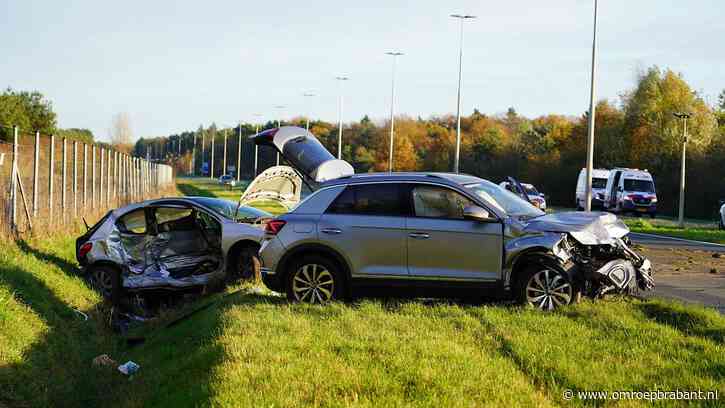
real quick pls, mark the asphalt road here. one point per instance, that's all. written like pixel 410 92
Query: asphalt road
pixel 708 290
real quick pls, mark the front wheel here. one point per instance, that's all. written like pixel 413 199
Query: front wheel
pixel 546 288
pixel 314 279
pixel 246 265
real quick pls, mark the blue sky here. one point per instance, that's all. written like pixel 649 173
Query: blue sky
pixel 173 65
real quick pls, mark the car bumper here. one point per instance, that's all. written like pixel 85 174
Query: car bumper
pixel 272 280
pixel 630 206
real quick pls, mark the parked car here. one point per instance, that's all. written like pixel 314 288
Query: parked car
pixel 434 234
pixel 227 180
pixel 531 193
pixel 721 213
pixel 171 243
pixel 599 185
pixel 630 190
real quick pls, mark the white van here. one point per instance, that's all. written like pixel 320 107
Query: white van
pixel 599 184
pixel 631 190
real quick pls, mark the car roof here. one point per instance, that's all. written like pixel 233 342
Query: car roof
pixel 444 178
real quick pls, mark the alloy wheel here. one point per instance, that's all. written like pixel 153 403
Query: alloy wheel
pixel 548 289
pixel 313 283
pixel 103 281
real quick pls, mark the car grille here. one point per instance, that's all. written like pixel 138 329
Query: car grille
pixel 641 200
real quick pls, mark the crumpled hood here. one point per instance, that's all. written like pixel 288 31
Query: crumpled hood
pixel 279 183
pixel 589 228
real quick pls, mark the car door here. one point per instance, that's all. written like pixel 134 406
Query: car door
pixel 443 245
pixel 366 223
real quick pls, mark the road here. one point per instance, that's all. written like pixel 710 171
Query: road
pixel 685 269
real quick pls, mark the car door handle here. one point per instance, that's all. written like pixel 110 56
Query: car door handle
pixel 419 235
pixel 331 231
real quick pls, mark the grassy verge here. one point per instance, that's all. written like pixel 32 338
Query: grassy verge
pixel 205 187
pixel 250 349
pixel 694 233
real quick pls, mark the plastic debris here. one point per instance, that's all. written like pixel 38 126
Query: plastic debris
pixel 129 368
pixel 103 360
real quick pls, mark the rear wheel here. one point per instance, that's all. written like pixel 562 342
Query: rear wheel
pixel 246 265
pixel 106 280
pixel 546 288
pixel 314 279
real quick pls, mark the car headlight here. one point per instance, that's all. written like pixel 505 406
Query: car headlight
pixel 653 200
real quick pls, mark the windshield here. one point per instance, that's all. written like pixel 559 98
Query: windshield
pixel 644 186
pixel 227 209
pixel 504 200
pixel 599 183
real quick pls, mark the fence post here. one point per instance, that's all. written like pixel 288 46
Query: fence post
pixel 63 180
pixel 100 182
pixel 14 183
pixel 36 161
pixel 75 178
pixel 85 173
pixel 50 178
pixel 108 178
pixel 115 177
pixel 93 177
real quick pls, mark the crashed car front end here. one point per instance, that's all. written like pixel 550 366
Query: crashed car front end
pixel 593 249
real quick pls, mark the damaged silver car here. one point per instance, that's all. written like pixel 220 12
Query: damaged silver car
pixel 433 235
pixel 172 243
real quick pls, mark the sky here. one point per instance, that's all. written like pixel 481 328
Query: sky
pixel 175 65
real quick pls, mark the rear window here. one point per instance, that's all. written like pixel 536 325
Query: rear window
pixel 369 199
pixel 307 153
pixel 599 183
pixel 133 222
pixel 644 186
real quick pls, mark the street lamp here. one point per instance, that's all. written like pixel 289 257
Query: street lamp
pixel 339 129
pixel 256 147
pixel 592 114
pixel 462 18
pixel 307 126
pixel 279 124
pixel 395 55
pixel 681 216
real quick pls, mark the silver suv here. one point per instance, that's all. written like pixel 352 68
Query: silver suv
pixel 433 235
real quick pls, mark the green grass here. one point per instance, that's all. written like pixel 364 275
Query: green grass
pixel 250 347
pixel 670 229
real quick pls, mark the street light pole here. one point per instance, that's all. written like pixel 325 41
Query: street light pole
pixel 395 55
pixel 279 124
pixel 239 152
pixel 256 147
pixel 456 159
pixel 592 115
pixel 681 216
pixel 339 124
pixel 307 125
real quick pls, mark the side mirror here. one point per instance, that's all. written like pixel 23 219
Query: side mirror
pixel 620 188
pixel 475 213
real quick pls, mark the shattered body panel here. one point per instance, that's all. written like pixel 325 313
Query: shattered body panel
pixel 589 228
pixel 279 183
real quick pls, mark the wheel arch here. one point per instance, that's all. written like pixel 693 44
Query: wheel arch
pixel 237 248
pixel 313 248
pixel 535 256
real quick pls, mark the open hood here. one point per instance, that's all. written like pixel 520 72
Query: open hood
pixel 279 183
pixel 304 152
pixel 589 228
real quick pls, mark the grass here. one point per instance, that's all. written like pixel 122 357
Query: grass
pixel 670 229
pixel 206 187
pixel 253 348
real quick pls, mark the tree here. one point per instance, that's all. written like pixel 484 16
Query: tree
pixel 29 111
pixel 121 134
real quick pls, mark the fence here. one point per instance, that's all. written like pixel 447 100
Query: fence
pixel 49 181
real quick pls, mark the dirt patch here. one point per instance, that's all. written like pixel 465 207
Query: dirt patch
pixel 676 261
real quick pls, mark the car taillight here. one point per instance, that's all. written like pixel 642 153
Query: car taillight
pixel 85 249
pixel 273 227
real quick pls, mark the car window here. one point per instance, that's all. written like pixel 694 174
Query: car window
pixel 599 183
pixel 438 202
pixel 133 222
pixel 644 186
pixel 368 199
pixel 174 219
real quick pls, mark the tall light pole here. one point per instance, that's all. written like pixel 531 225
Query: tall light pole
pixel 239 152
pixel 592 115
pixel 279 123
pixel 681 216
pixel 341 80
pixel 224 162
pixel 395 55
pixel 456 159
pixel 256 147
pixel 307 125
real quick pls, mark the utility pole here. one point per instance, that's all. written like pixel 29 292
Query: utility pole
pixel 279 124
pixel 256 147
pixel 339 124
pixel 592 115
pixel 456 158
pixel 239 152
pixel 395 56
pixel 681 215
pixel 211 172
pixel 224 161
pixel 307 124
pixel 193 157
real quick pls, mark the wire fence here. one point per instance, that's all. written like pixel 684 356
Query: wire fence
pixel 49 182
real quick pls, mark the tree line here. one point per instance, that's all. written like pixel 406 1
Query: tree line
pixel 639 130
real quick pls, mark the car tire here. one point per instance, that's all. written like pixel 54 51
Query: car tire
pixel 546 287
pixel 314 279
pixel 246 266
pixel 107 280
